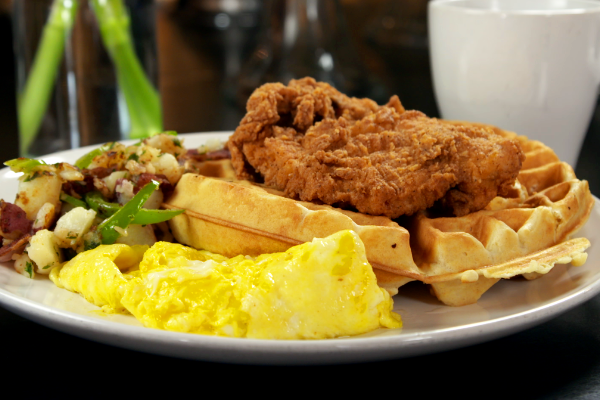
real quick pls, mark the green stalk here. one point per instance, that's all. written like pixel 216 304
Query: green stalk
pixel 25 165
pixel 33 101
pixel 143 101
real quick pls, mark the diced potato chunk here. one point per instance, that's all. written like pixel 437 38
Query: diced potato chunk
pixel 69 172
pixel 44 252
pixel 33 194
pixel 211 145
pixel 71 227
pixel 111 180
pixel 115 158
pixel 24 265
pixel 154 201
pixel 45 217
pixel 168 165
pixel 166 143
pixel 124 191
pixel 138 234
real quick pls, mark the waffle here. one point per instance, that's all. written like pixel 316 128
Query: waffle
pixel 525 233
pixel 212 168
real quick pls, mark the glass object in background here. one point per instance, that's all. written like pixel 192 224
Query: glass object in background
pixel 100 82
pixel 306 38
pixel 233 21
pixel 203 44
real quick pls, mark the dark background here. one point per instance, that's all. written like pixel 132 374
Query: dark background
pixel 556 360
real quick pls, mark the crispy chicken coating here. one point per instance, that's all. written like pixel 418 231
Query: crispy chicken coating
pixel 317 144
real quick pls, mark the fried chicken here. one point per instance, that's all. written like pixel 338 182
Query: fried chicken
pixel 317 144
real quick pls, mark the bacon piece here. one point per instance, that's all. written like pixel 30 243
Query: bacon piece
pixel 99 172
pixel 80 188
pixel 13 221
pixel 14 247
pixel 218 155
pixel 145 178
pixel 193 154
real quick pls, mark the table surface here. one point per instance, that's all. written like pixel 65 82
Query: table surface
pixel 558 359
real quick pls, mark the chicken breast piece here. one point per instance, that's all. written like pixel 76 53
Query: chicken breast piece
pixel 316 144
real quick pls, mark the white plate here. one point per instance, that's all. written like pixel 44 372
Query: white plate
pixel 429 327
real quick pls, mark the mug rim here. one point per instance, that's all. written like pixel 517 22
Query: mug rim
pixel 462 5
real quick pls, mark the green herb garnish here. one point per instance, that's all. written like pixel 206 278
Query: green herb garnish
pixel 29 268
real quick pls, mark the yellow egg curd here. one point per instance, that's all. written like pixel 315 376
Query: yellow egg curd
pixel 322 289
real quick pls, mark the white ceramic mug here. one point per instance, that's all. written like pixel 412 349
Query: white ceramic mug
pixel 529 66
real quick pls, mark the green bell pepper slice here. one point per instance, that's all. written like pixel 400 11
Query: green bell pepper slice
pixel 72 200
pixel 131 213
pixel 144 217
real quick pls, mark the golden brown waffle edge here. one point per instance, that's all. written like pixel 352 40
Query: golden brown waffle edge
pixel 523 234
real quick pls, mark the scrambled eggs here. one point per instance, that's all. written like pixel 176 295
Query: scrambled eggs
pixel 322 289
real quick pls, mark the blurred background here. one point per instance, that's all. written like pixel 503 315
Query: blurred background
pixel 213 53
